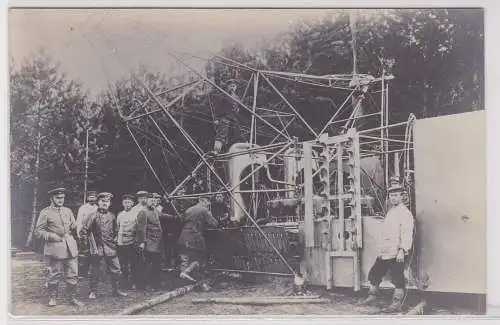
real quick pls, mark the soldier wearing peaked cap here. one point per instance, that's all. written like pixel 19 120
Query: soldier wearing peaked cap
pixel 227 123
pixel 102 225
pixel 142 197
pixel 396 242
pixel 57 226
pixel 149 235
pixel 192 247
pixel 158 205
pixel 83 213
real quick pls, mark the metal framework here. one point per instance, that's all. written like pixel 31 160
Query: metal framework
pixel 156 124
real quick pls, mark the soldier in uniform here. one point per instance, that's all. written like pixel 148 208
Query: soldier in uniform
pixel 157 204
pixel 102 225
pixel 172 228
pixel 83 212
pixel 57 226
pixel 227 123
pixel 141 201
pixel 192 248
pixel 220 210
pixel 149 235
pixel 396 242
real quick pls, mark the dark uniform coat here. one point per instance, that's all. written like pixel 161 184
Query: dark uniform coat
pixel 57 226
pixel 103 228
pixel 149 230
pixel 196 220
pixel 227 128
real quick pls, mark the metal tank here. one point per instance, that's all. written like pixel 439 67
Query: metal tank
pixel 237 163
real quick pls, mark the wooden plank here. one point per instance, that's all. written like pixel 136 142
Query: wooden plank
pixel 308 196
pixel 134 309
pixel 261 300
pixel 341 253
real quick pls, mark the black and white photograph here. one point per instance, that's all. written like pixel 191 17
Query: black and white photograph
pixel 245 162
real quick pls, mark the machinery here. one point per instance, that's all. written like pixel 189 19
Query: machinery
pixel 321 199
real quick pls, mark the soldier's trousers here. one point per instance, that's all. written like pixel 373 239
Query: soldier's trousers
pixel 152 276
pixel 112 268
pixel 127 257
pixel 192 260
pixel 58 268
pixel 171 254
pixel 381 267
pixel 83 265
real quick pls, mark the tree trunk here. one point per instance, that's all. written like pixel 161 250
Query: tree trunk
pixel 159 299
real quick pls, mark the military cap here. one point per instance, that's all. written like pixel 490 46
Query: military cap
pixel 106 195
pixel 395 187
pixel 128 197
pixel 56 191
pixel 141 194
pixel 91 193
pixel 156 195
pixel 148 195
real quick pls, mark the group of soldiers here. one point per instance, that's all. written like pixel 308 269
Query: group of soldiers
pixel 131 243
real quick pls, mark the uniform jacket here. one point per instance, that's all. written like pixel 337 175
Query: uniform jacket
pixel 397 232
pixel 57 226
pixel 126 224
pixel 102 225
pixel 172 226
pixel 137 208
pixel 227 128
pixel 196 220
pixel 83 212
pixel 149 230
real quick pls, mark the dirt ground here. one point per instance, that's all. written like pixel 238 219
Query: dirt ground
pixel 28 297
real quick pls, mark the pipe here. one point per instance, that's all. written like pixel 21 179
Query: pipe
pixel 385 127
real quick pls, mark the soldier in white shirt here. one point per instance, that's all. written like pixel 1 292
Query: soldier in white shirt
pixel 126 250
pixel 396 242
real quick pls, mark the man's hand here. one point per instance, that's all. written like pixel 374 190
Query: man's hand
pixel 55 237
pixel 401 256
pixel 217 146
pixel 141 246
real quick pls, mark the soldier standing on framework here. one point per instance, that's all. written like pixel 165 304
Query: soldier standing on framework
pixel 83 212
pixel 192 247
pixel 102 225
pixel 57 226
pixel 396 242
pixel 227 123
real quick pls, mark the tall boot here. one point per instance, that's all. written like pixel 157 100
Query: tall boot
pixel 93 287
pixel 52 289
pixel 372 295
pixel 116 288
pixel 397 301
pixel 72 289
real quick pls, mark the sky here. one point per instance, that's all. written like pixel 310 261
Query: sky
pixel 97 46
